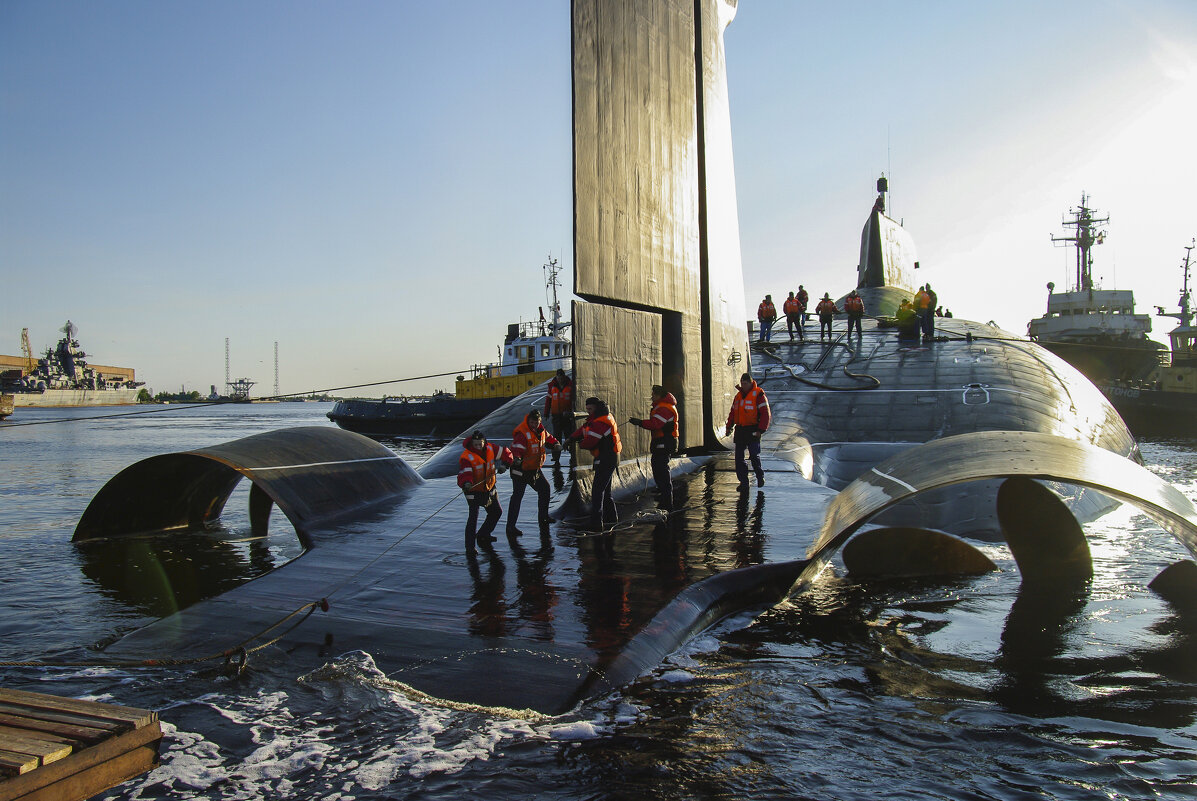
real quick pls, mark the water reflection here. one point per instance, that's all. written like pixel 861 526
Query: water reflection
pixel 161 574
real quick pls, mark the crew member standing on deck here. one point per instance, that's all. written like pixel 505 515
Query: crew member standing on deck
pixel 559 408
pixel 750 417
pixel 927 312
pixel 662 422
pixel 766 315
pixel 529 442
pixel 826 311
pixel 803 302
pixel 854 307
pixel 600 436
pixel 793 311
pixel 479 462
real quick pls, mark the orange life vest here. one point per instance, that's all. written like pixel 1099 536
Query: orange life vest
pixel 483 468
pixel 924 299
pixel 746 409
pixel 854 305
pixel 792 306
pixel 667 411
pixel 533 442
pixel 561 399
pixel 766 311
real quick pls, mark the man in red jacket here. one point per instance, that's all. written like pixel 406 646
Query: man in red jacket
pixel 559 408
pixel 528 444
pixel 750 416
pixel 479 462
pixel 600 436
pixel 662 422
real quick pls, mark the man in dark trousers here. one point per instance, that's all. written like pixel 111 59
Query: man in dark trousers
pixel 749 416
pixel 479 462
pixel 826 311
pixel 528 449
pixel 662 422
pixel 600 435
pixel 855 309
pixel 559 408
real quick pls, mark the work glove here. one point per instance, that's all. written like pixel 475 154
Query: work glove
pixel 557 449
pixel 635 421
pixel 756 433
pixel 500 468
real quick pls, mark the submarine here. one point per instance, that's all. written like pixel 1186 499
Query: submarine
pixel 894 455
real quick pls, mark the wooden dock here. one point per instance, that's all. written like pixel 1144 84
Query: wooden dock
pixel 63 748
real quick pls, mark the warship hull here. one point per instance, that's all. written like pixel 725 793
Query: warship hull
pixel 63 398
pixel 1108 361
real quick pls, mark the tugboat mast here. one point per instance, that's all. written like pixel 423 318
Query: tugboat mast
pixel 1087 235
pixel 552 269
pixel 1185 315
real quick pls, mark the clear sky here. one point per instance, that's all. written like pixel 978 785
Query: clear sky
pixel 375 186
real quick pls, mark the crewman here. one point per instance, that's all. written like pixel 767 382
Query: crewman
pixel 826 311
pixel 855 309
pixel 600 435
pixel 803 301
pixel 908 323
pixel 662 422
pixel 479 462
pixel 559 408
pixel 749 416
pixel 529 442
pixel 793 311
pixel 766 314
pixel 924 307
pixel 929 316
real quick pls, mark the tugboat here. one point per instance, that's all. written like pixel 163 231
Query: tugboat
pixel 1095 330
pixel 1165 403
pixel 531 354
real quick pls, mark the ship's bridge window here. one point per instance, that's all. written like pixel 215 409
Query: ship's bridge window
pixel 544 350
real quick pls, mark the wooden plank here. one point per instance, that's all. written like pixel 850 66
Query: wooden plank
pixel 13 731
pixel 64 717
pixel 87 783
pixel 84 734
pixel 147 737
pixel 131 715
pixel 44 750
pixel 13 763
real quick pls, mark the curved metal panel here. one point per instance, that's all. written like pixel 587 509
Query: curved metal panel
pixel 312 473
pixel 995 454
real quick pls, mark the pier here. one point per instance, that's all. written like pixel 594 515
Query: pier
pixel 64 748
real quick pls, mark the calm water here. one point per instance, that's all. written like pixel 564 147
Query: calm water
pixel 893 690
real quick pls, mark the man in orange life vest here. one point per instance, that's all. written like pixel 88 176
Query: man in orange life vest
pixel 826 311
pixel 528 443
pixel 793 310
pixel 662 422
pixel 766 315
pixel 750 416
pixel 600 436
pixel 559 408
pixel 479 462
pixel 854 307
pixel 925 302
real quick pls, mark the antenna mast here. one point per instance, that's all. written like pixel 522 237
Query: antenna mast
pixel 276 392
pixel 1088 233
pixel 552 269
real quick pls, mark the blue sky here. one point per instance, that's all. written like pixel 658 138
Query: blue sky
pixel 376 185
